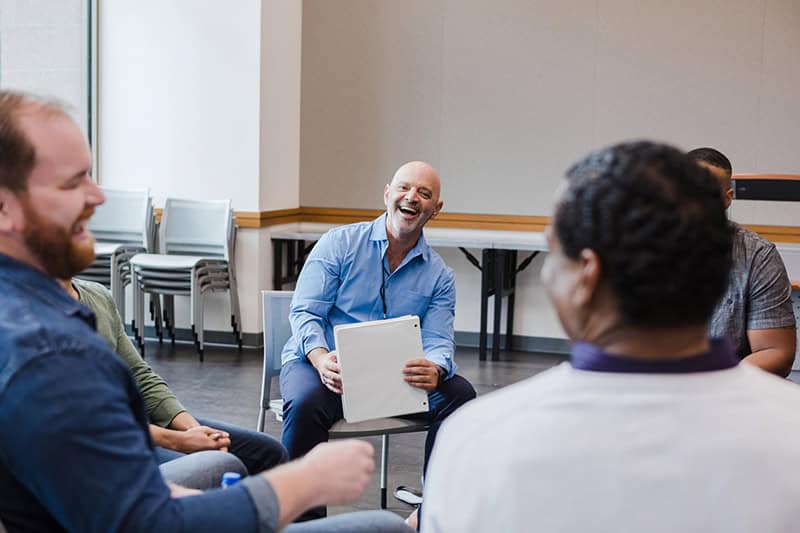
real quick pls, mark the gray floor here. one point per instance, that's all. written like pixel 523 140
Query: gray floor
pixel 227 387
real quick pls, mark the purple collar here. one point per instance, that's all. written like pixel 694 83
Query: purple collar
pixel 587 356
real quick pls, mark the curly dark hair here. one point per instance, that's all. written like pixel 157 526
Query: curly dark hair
pixel 657 222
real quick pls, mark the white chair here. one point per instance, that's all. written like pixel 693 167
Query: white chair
pixel 122 226
pixel 196 255
pixel 277 331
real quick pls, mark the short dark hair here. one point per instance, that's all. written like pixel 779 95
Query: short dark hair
pixel 657 222
pixel 713 157
pixel 17 153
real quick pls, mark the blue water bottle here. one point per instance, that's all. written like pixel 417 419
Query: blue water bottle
pixel 230 478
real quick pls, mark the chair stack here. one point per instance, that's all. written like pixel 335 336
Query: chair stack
pixel 123 226
pixel 196 245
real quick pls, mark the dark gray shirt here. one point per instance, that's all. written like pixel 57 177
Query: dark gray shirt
pixel 759 295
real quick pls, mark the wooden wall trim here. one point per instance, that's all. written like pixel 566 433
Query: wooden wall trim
pixel 263 219
pixel 790 177
pixel 336 215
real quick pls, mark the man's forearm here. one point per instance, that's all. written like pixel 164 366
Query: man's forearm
pixel 773 360
pixel 773 349
pixel 315 355
pixel 164 438
pixel 294 490
pixel 183 421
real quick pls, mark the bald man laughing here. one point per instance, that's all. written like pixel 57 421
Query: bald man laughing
pixel 369 271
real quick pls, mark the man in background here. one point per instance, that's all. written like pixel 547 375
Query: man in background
pixel 756 310
pixel 370 271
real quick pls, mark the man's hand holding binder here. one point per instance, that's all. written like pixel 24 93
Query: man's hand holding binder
pixel 327 365
pixel 419 373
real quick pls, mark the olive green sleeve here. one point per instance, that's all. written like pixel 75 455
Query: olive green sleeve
pixel 161 404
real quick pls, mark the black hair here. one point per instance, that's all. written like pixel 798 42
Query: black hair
pixel 713 157
pixel 657 222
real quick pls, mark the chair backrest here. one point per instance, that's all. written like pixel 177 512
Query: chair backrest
pixel 193 227
pixel 277 331
pixel 125 217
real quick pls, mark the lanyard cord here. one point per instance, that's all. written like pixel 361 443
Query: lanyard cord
pixel 383 288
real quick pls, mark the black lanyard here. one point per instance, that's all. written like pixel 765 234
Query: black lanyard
pixel 383 287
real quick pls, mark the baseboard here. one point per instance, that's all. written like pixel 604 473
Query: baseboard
pixel 520 343
pixel 211 337
pixel 465 339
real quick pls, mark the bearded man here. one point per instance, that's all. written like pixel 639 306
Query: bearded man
pixel 75 451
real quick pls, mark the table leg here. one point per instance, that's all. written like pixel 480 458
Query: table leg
pixel 511 266
pixel 277 264
pixel 487 258
pixel 500 260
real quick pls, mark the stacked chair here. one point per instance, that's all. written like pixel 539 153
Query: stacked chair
pixel 123 226
pixel 196 245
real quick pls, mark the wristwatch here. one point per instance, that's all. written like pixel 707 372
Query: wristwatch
pixel 442 372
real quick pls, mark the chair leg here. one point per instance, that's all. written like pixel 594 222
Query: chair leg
pixel 169 315
pixel 155 304
pixel 261 417
pixel 384 467
pixel 199 319
pixel 236 321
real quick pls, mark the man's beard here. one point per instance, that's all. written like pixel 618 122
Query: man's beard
pixel 53 245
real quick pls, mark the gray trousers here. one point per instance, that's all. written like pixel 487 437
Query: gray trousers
pixel 201 470
pixel 357 522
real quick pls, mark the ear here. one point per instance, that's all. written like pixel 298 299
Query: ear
pixel 437 209
pixel 10 211
pixel 588 280
pixel 728 198
pixel 386 195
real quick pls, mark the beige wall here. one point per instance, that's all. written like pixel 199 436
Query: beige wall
pixel 502 96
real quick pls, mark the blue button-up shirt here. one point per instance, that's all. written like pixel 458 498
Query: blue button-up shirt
pixel 75 451
pixel 341 284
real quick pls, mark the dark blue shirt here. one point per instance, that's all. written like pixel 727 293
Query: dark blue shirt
pixel 75 451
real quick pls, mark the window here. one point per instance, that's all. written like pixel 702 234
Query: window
pixel 45 49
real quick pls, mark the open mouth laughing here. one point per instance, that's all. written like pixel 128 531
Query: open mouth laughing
pixel 408 212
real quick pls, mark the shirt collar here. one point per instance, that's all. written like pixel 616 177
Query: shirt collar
pixel 44 287
pixel 720 356
pixel 378 233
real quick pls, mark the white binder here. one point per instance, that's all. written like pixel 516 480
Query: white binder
pixel 372 356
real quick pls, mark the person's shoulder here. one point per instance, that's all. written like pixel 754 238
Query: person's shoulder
pixel 92 289
pixel 343 238
pixel 33 334
pixel 356 228
pixel 438 264
pixel 750 240
pixel 776 393
pixel 480 416
pixel 22 322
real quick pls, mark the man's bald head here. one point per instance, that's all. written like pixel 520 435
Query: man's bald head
pixel 412 198
pixel 420 170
